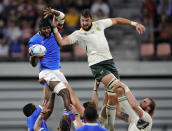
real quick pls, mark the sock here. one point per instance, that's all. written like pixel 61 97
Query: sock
pixel 102 121
pixel 123 101
pixel 111 113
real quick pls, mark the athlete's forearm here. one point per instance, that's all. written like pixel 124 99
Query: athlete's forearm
pixel 33 61
pixel 122 21
pixel 95 98
pixel 38 123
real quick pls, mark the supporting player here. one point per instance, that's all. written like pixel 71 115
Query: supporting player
pixel 140 115
pixel 92 39
pixel 32 113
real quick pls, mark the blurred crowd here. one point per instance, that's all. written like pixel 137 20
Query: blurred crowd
pixel 157 17
pixel 19 20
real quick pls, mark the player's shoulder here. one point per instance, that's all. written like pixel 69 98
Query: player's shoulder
pixel 35 37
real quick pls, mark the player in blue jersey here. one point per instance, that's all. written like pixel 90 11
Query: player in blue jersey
pixel 49 68
pixel 90 115
pixel 32 113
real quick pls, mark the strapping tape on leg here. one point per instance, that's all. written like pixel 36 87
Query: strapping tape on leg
pixel 111 84
pixel 59 87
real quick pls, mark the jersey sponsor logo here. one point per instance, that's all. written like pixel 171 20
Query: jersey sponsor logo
pixel 101 72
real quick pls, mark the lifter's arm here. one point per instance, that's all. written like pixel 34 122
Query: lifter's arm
pixel 61 41
pixel 95 94
pixel 122 21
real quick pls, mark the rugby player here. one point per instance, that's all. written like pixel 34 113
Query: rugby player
pixel 92 39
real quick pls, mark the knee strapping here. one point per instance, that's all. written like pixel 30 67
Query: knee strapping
pixel 59 87
pixel 111 84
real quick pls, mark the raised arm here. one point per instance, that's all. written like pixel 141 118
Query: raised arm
pixel 122 21
pixel 61 41
pixel 95 99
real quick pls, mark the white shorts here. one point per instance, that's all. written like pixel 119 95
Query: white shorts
pixel 52 75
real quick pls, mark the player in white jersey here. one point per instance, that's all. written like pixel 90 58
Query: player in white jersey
pixel 140 115
pixel 92 39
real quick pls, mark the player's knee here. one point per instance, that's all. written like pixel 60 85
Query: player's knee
pixel 112 84
pixel 120 91
pixel 59 87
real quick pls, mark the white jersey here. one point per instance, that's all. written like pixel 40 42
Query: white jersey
pixel 93 41
pixel 147 118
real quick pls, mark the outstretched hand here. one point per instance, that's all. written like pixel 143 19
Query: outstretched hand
pixel 47 12
pixel 55 22
pixel 140 29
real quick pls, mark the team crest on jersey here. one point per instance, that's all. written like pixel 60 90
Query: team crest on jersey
pixel 98 28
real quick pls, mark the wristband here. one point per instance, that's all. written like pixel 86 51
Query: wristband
pixel 94 90
pixel 72 117
pixel 133 23
pixel 55 30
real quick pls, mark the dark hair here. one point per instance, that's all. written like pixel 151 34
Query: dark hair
pixel 152 106
pixel 29 109
pixel 86 13
pixel 65 123
pixel 90 113
pixel 44 22
pixel 88 103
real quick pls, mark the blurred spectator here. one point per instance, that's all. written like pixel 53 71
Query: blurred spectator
pixel 164 6
pixel 14 35
pixel 71 19
pixel 79 5
pixel 3 28
pixel 100 9
pixel 4 48
pixel 165 31
pixel 148 9
pixel 148 36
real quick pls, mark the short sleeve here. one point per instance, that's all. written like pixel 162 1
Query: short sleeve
pixel 73 37
pixel 105 22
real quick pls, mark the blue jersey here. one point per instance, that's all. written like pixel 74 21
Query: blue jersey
pixel 91 127
pixel 32 119
pixel 51 60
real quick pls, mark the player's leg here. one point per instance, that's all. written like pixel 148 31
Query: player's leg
pixel 103 116
pixel 60 89
pixel 110 82
pixel 123 101
pixel 56 85
pixel 74 98
pixel 75 101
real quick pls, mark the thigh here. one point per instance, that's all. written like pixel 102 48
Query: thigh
pixel 60 76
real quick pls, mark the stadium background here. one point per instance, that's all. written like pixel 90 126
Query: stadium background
pixel 144 62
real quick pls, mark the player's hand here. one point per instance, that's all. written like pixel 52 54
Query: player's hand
pixel 48 12
pixel 55 22
pixel 96 85
pixel 73 109
pixel 140 28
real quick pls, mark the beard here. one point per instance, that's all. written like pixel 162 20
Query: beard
pixel 88 28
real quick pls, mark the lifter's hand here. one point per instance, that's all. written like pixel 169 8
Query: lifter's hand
pixel 140 29
pixel 55 22
pixel 48 12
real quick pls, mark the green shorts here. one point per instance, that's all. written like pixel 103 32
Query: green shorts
pixel 104 68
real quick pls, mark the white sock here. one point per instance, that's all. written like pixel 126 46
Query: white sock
pixel 123 101
pixel 102 121
pixel 111 113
